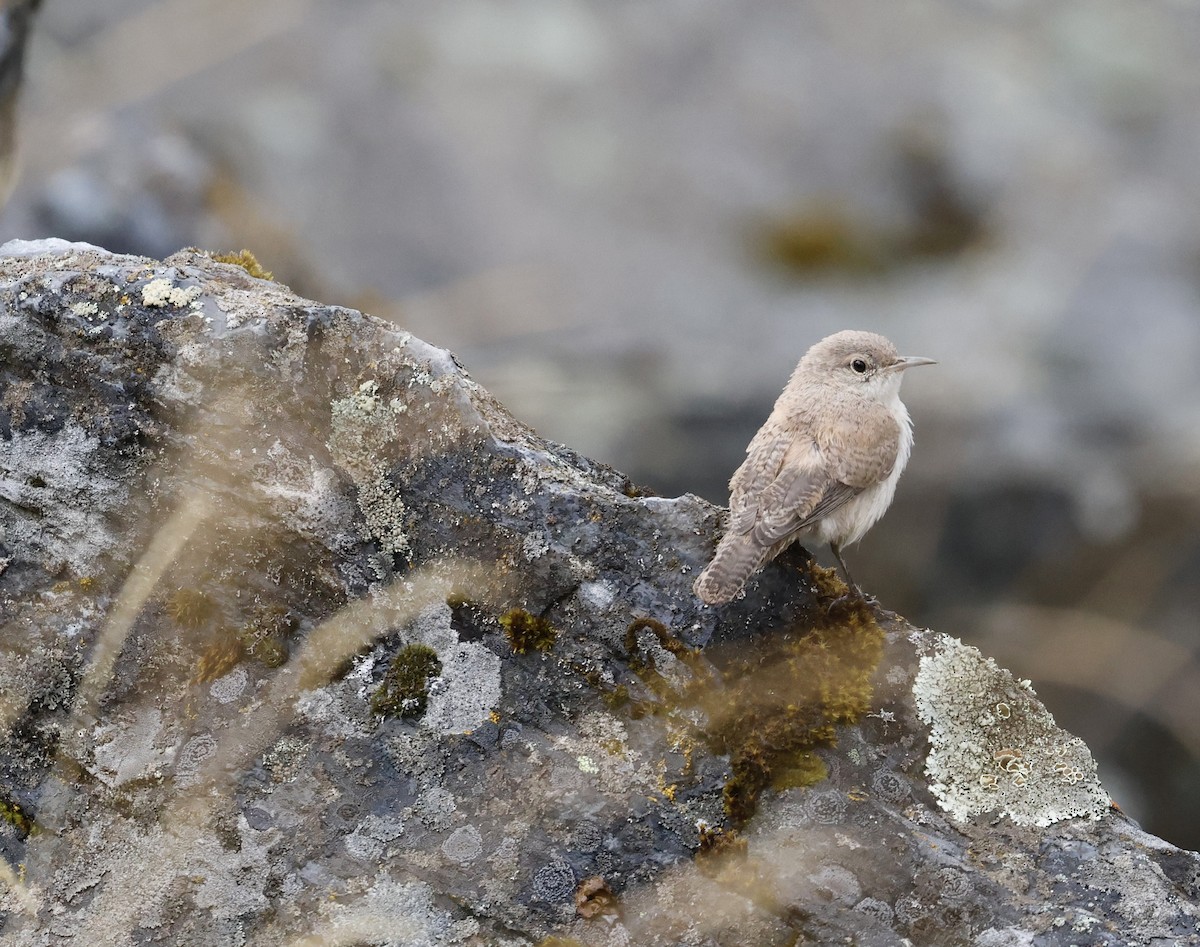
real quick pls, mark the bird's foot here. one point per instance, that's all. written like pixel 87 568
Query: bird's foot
pixel 852 596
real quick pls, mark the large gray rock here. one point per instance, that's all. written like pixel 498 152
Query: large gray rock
pixel 307 640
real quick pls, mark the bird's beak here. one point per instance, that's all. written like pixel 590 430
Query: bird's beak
pixel 909 361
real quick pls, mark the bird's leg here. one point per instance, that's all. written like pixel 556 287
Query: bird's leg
pixel 837 554
pixel 853 589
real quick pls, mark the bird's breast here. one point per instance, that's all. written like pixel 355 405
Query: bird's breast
pixel 849 523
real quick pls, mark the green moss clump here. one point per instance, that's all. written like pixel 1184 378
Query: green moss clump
pixel 817 240
pixel 643 666
pixel 190 607
pixel 526 632
pixel 221 654
pixel 805 768
pixel 12 813
pixel 246 260
pixel 788 698
pixel 665 638
pixel 768 707
pixel 618 697
pixel 405 688
pixel 273 652
pixel 833 237
pixel 718 849
pixel 635 491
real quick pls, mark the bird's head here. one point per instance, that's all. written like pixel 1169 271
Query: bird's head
pixel 858 361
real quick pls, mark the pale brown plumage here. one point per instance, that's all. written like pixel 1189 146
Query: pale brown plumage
pixel 824 464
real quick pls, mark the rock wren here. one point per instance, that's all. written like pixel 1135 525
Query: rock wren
pixel 825 463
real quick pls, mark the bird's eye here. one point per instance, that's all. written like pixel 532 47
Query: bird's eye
pixel 859 365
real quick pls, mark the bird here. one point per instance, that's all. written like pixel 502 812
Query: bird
pixel 825 463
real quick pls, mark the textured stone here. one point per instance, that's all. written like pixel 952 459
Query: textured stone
pixel 234 461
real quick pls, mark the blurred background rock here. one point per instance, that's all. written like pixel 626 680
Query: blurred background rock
pixel 629 219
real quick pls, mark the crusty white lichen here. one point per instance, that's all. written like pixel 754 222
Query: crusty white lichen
pixel 58 495
pixel 134 875
pixel 362 428
pixel 130 748
pixel 393 913
pixel 162 292
pixel 994 747
pixel 468 688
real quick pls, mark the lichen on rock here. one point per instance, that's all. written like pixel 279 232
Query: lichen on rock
pixel 993 746
pixel 58 492
pixel 162 292
pixel 363 428
pixel 215 772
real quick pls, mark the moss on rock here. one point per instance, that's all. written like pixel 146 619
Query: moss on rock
pixel 405 688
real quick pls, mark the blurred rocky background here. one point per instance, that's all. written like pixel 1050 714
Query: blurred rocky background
pixel 629 220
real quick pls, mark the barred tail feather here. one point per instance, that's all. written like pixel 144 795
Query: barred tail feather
pixel 736 560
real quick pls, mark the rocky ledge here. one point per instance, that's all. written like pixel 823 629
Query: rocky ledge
pixel 308 641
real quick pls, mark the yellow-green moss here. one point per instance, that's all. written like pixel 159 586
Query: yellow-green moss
pixel 643 665
pixel 718 848
pixel 635 491
pixel 770 703
pixel 12 813
pixel 221 654
pixel 190 607
pixel 273 652
pixel 405 688
pixel 526 632
pixel 618 697
pixel 246 260
pixel 817 240
pixel 833 237
pixel 788 696
pixel 803 769
pixel 665 638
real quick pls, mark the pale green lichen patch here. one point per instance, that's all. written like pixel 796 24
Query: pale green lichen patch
pixel 994 747
pixel 363 427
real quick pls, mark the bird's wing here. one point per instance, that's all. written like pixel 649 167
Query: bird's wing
pixel 789 481
pixel 782 485
pixel 797 498
pixel 764 458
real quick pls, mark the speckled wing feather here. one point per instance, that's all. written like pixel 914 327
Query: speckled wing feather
pixel 820 497
pixel 803 489
pixel 778 486
pixel 764 457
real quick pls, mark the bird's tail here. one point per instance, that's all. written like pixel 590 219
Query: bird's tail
pixel 736 559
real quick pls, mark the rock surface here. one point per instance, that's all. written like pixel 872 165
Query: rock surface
pixel 307 640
